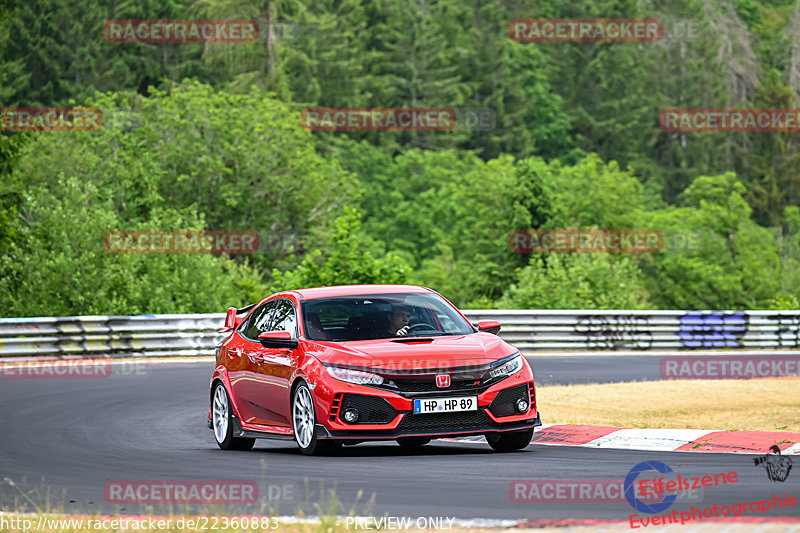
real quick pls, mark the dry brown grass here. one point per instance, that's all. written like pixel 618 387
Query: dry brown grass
pixel 757 404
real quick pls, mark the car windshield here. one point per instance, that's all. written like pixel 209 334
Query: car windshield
pixel 377 316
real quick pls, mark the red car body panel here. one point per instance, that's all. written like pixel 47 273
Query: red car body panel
pixel 260 379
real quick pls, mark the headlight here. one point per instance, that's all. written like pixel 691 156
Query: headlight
pixel 507 369
pixel 354 376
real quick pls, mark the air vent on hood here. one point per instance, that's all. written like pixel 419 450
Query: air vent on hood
pixel 414 340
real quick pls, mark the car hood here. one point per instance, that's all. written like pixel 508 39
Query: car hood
pixel 389 355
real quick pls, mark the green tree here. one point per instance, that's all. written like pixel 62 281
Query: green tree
pixel 241 160
pixel 787 239
pixel 53 52
pixel 511 79
pixel 11 186
pixel 577 281
pixel 351 257
pixel 240 66
pixel 768 162
pixel 732 264
pixel 606 88
pixel 448 213
pixel 57 265
pixel 188 160
pixel 589 193
pixel 683 70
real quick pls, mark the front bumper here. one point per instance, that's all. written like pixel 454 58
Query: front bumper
pixel 386 415
pixel 437 432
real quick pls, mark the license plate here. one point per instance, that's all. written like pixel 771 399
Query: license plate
pixel 446 405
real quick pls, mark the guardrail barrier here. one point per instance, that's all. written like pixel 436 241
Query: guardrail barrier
pixel 529 330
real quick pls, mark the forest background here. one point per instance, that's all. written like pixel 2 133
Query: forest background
pixel 209 136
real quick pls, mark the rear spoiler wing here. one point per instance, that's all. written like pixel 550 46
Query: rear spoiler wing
pixel 234 317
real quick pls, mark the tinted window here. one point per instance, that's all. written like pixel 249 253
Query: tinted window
pixel 258 321
pixel 284 318
pixel 369 316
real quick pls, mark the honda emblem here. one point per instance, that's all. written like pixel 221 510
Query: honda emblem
pixel 442 381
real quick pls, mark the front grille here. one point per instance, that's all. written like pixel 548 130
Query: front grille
pixel 504 403
pixel 444 421
pixel 372 410
pixel 429 385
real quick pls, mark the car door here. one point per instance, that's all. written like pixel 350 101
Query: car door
pixel 275 367
pixel 244 368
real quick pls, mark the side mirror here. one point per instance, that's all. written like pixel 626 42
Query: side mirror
pixel 277 339
pixel 489 326
pixel 230 320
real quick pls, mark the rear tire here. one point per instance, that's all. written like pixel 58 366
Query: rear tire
pixel 510 441
pixel 304 424
pixel 413 442
pixel 222 422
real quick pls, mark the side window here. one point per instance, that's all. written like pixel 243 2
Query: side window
pixel 284 318
pixel 258 321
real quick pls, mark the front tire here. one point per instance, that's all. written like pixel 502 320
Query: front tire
pixel 222 422
pixel 304 424
pixel 510 441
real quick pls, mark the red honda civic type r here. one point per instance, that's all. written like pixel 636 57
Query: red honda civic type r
pixel 341 365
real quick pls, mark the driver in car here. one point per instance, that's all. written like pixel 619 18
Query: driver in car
pixel 398 319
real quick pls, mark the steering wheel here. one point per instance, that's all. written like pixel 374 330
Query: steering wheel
pixel 421 324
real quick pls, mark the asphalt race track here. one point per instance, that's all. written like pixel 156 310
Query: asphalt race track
pixel 64 439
